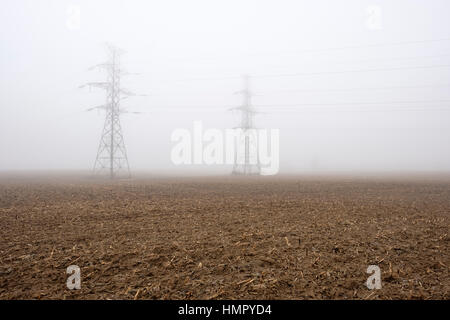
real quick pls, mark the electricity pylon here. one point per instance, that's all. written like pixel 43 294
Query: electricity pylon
pixel 248 163
pixel 111 153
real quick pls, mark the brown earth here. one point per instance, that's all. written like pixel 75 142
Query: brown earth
pixel 225 238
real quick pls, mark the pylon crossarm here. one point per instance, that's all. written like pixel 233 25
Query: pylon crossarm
pixel 101 85
pixel 126 92
pixel 101 65
pixel 104 107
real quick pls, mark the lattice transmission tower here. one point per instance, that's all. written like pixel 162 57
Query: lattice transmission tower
pixel 246 159
pixel 112 154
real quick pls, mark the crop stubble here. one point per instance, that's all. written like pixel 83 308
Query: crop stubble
pixel 225 238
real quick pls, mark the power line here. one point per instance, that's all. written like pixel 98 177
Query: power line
pixel 209 106
pixel 294 107
pixel 348 71
pixel 264 93
pixel 353 103
pixel 393 58
pixel 300 110
pixel 298 74
pixel 351 89
pixel 387 44
pixel 358 46
pixel 355 61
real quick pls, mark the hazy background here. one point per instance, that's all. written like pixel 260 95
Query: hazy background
pixel 190 54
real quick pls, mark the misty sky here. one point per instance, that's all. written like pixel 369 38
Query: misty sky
pixel 339 112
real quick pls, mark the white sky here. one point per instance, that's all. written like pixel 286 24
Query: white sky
pixel 43 124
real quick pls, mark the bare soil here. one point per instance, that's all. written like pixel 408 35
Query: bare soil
pixel 225 238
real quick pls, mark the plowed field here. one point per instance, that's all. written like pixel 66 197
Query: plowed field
pixel 225 237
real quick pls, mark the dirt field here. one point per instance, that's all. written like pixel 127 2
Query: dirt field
pixel 225 238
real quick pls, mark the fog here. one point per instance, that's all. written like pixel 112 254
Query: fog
pixel 351 85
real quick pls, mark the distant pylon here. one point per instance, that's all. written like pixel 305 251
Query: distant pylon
pixel 111 154
pixel 247 163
